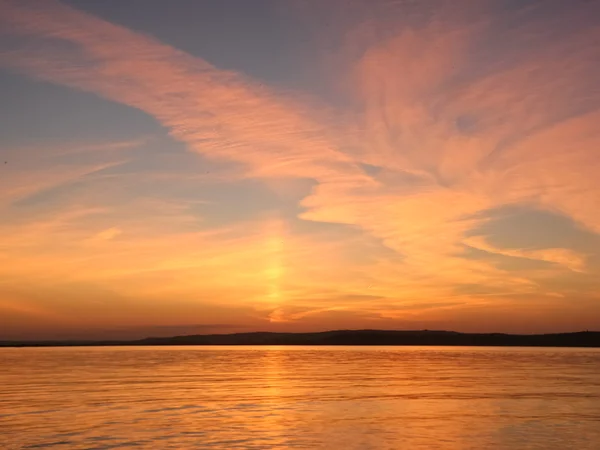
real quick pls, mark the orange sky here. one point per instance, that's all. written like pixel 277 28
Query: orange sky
pixel 315 166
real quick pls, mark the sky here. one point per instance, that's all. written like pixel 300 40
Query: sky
pixel 224 166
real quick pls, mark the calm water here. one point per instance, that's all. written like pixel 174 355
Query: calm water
pixel 300 397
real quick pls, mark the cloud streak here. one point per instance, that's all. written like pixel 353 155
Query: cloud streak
pixel 560 256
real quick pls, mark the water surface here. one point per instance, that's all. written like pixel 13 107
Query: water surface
pixel 300 397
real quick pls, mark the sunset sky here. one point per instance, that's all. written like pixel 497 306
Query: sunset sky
pixel 210 166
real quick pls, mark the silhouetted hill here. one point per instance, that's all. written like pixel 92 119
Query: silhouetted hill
pixel 350 337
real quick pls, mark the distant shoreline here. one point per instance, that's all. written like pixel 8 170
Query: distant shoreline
pixel 583 339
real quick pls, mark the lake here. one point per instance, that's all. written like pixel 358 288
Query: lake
pixel 300 397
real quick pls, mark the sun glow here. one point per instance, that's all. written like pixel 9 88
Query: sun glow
pixel 274 270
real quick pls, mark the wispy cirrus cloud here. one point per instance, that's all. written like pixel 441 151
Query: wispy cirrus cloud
pixel 218 113
pixel 471 138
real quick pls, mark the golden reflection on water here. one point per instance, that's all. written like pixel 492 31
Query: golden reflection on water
pixel 300 397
